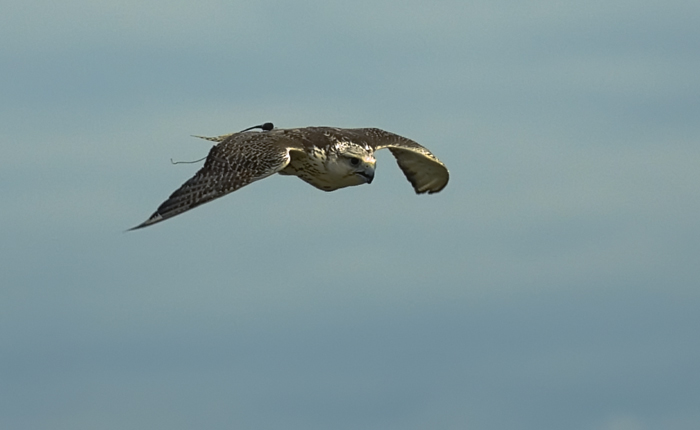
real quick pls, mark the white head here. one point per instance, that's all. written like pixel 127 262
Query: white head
pixel 351 163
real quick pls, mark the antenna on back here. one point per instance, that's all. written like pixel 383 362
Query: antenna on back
pixel 264 127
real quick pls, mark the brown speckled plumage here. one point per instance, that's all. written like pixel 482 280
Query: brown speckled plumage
pixel 326 157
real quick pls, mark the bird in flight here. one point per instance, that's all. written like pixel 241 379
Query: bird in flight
pixel 328 158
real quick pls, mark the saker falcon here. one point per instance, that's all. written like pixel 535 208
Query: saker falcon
pixel 328 158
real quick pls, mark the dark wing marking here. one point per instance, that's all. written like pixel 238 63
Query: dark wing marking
pixel 240 159
pixel 423 170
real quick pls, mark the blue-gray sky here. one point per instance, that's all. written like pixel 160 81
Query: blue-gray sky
pixel 552 285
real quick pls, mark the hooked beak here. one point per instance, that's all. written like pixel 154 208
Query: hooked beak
pixel 369 175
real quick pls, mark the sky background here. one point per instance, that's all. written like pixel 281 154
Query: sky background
pixel 552 285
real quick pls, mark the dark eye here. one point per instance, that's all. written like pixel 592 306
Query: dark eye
pixel 354 161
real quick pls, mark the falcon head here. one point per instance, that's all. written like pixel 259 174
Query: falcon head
pixel 352 162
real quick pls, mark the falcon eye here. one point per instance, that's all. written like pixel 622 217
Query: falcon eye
pixel 354 161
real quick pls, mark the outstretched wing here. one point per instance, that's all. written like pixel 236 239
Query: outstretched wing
pixel 423 170
pixel 240 159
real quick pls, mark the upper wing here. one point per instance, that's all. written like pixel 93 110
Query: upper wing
pixel 423 170
pixel 237 161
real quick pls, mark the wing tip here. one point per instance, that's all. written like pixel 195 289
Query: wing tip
pixel 429 190
pixel 155 218
pixel 435 185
